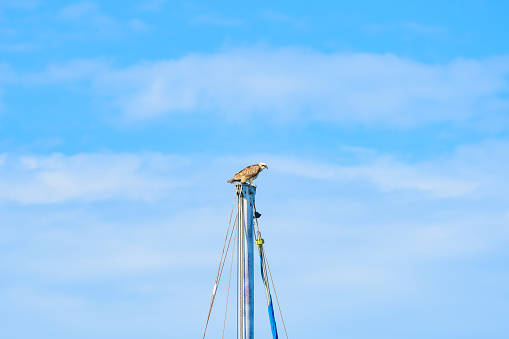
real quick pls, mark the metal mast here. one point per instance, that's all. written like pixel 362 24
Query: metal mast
pixel 245 281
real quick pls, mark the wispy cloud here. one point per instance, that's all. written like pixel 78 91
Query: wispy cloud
pixel 215 20
pixel 473 171
pixel 86 177
pixel 23 4
pixel 152 5
pixel 17 47
pixel 424 29
pixel 89 15
pixel 139 25
pixel 1 103
pixel 310 86
pixel 284 19
pixel 290 84
pixel 79 70
pixel 386 173
pixel 79 10
pixel 407 27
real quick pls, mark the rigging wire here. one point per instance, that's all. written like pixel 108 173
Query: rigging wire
pixel 227 249
pixel 221 265
pixel 223 261
pixel 229 280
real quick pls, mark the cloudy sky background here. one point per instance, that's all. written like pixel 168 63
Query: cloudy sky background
pixel 384 125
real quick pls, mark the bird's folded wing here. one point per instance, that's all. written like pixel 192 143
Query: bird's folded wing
pixel 250 170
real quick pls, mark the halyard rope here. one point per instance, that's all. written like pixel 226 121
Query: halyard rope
pixel 275 293
pixel 270 274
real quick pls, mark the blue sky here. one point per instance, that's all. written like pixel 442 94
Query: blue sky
pixel 384 126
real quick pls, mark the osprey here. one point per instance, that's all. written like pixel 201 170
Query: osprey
pixel 249 173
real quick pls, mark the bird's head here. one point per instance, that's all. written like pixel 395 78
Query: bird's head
pixel 263 165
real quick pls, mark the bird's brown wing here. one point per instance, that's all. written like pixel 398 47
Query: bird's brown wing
pixel 248 172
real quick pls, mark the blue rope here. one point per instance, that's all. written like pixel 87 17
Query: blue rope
pixel 270 306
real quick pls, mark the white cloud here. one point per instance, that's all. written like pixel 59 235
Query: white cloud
pixel 152 5
pixel 17 47
pixel 79 10
pixel 391 175
pixel 297 23
pixel 138 25
pixel 32 299
pixel 1 103
pixel 216 20
pixel 78 70
pixel 424 29
pixel 472 171
pixel 58 178
pixel 290 84
pixel 73 71
pixel 7 74
pixel 89 16
pixel 23 4
pixel 404 29
pixel 369 246
pixel 293 84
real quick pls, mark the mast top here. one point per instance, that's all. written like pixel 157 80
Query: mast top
pixel 245 188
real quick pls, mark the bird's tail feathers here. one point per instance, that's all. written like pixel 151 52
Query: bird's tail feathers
pixel 231 181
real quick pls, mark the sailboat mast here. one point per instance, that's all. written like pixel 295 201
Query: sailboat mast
pixel 245 283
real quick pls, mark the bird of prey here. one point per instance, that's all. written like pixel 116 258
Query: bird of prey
pixel 249 173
